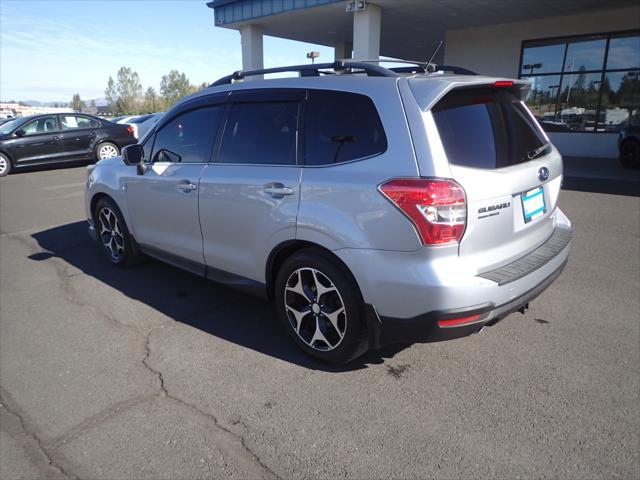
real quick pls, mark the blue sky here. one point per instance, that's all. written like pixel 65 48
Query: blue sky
pixel 51 49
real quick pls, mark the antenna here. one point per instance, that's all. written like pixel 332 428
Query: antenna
pixel 428 66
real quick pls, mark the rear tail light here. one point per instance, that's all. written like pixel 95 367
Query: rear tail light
pixel 130 129
pixel 455 322
pixel 437 208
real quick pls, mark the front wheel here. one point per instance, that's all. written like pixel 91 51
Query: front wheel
pixel 5 165
pixel 320 307
pixel 113 235
pixel 107 150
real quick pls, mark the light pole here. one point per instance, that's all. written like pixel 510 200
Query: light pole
pixel 313 56
pixel 531 67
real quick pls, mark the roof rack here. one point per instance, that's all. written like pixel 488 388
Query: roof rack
pixel 312 70
pixel 370 67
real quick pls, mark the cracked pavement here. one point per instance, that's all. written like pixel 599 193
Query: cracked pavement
pixel 153 373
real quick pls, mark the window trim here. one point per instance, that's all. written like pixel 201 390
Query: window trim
pixel 566 40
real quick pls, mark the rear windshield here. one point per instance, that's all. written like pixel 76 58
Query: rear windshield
pixel 487 128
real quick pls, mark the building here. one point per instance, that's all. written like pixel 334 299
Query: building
pixel 582 56
pixel 17 110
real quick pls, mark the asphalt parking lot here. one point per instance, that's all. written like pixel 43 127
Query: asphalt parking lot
pixel 154 373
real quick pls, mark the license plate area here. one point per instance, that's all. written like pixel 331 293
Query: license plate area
pixel 533 205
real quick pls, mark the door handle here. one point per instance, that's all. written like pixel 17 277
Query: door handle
pixel 186 186
pixel 56 138
pixel 277 190
pixel 92 134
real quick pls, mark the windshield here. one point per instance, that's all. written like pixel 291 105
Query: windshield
pixel 8 127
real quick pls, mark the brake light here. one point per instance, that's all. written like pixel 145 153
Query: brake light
pixel 437 208
pixel 503 83
pixel 130 129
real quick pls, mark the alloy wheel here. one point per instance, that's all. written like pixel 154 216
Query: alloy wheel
pixel 107 151
pixel 315 309
pixel 110 233
pixel 3 165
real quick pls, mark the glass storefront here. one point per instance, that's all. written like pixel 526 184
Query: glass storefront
pixel 589 83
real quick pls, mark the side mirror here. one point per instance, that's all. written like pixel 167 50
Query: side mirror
pixel 134 155
pixel 21 133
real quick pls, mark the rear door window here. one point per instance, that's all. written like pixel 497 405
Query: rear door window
pixel 485 128
pixel 341 126
pixel 261 133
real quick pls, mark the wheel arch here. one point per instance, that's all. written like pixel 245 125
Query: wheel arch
pixel 284 250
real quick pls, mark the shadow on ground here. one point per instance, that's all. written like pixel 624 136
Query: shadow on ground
pixel 189 299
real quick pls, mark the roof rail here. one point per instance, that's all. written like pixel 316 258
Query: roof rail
pixel 436 68
pixel 312 70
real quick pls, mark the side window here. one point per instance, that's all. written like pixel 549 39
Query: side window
pixel 261 133
pixel 70 122
pixel 41 125
pixel 189 137
pixel 341 126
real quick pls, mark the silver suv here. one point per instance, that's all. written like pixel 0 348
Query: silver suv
pixel 372 205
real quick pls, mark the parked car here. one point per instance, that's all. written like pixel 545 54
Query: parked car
pixel 371 208
pixel 629 146
pixel 137 122
pixel 65 137
pixel 147 124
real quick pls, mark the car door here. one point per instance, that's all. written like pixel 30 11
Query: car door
pixel 163 202
pixel 39 141
pixel 79 136
pixel 249 195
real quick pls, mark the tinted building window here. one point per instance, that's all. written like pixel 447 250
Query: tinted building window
pixel 261 133
pixel 341 126
pixel 483 128
pixel 189 137
pixel 584 84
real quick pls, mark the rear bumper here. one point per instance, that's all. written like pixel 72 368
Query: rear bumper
pixel 387 330
pixel 409 293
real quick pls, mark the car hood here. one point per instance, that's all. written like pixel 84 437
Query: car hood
pixel 5 137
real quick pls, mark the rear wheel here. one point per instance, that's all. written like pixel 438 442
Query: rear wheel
pixel 319 305
pixel 5 165
pixel 630 154
pixel 113 235
pixel 107 150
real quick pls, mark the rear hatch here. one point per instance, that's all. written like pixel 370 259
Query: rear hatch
pixel 510 172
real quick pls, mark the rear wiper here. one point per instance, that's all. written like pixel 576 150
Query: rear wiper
pixel 535 153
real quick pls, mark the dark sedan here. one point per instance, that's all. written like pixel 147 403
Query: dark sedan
pixel 55 138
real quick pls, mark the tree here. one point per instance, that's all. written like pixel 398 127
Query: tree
pixel 124 94
pixel 151 103
pixel 197 88
pixel 173 87
pixel 77 104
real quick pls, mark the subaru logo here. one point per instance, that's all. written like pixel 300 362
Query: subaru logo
pixel 543 174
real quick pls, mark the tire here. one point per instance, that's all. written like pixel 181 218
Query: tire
pixel 337 336
pixel 106 150
pixel 630 154
pixel 113 235
pixel 5 165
